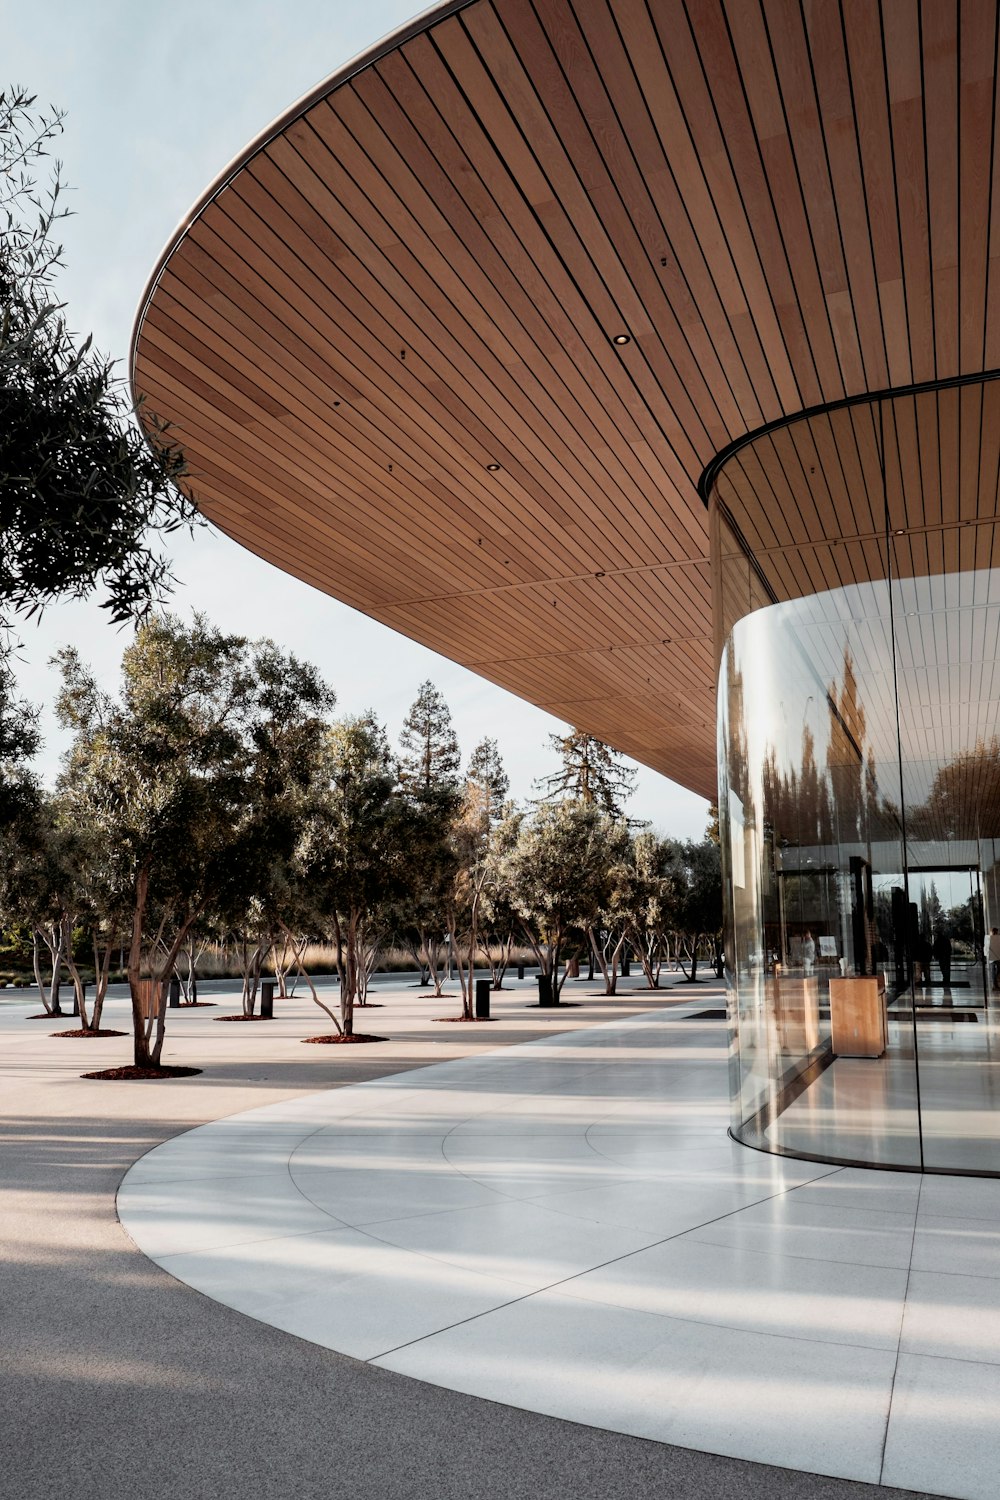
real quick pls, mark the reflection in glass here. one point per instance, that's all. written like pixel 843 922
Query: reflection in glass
pixel 859 754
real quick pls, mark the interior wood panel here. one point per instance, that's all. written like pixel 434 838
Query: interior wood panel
pixel 420 270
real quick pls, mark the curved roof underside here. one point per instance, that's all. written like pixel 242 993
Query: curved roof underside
pixel 419 272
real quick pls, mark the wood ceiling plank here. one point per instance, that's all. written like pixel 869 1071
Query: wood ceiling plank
pixel 906 110
pixel 977 39
pixel 837 121
pixel 941 121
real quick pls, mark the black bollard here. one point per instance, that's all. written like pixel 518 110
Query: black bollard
pixel 267 1000
pixel 546 997
pixel 520 971
pixel 175 993
pixel 482 999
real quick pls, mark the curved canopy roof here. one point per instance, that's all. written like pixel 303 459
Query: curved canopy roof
pixel 386 337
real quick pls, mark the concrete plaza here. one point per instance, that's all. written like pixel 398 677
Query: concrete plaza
pixel 120 1380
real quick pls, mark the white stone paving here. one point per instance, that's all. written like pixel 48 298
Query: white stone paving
pixel 565 1226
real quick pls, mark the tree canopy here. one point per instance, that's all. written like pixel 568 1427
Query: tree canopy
pixel 171 781
pixel 81 490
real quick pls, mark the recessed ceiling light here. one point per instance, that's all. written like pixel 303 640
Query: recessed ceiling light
pixel 622 338
pixel 493 468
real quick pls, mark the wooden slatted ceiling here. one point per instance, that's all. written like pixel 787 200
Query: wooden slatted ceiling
pixel 422 269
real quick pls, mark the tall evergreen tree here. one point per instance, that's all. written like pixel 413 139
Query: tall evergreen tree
pixel 429 757
pixel 486 772
pixel 591 773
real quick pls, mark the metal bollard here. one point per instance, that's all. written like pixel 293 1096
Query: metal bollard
pixel 175 993
pixel 267 1000
pixel 520 971
pixel 482 999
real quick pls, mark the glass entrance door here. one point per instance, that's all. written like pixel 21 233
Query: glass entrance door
pixel 947 939
pixel 957 1053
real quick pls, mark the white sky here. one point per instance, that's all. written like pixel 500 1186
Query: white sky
pixel 159 97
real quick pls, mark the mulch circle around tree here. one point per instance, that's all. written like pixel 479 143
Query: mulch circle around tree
pixel 81 1032
pixel 335 1037
pixel 142 1073
pixel 46 1015
pixel 562 1004
pixel 242 1018
pixel 368 1005
pixel 194 1004
pixel 459 1019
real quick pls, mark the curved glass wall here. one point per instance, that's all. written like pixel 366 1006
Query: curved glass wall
pixel 859 754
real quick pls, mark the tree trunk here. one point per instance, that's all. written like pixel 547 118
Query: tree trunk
pixel 102 968
pixel 54 944
pixel 596 951
pixel 640 942
pixel 79 990
pixel 141 1030
pixel 298 947
pixel 36 962
pixel 554 947
pixel 349 988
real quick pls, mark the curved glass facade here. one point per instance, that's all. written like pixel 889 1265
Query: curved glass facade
pixel 859 754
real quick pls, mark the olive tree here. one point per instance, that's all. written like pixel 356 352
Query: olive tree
pixel 554 875
pixel 606 918
pixel 81 489
pixel 651 905
pixel 35 885
pixel 165 778
pixel 696 906
pixel 352 856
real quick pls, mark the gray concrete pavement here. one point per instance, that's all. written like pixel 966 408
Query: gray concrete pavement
pixel 118 1383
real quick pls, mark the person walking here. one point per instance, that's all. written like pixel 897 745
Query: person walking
pixel 993 954
pixel 942 952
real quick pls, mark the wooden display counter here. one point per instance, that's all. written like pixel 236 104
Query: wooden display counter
pixel 857 1017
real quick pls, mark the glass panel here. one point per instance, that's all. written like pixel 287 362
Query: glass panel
pixel 857 597
pixel 948 672
pixel 812 835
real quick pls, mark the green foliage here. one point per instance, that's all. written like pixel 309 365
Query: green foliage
pixel 80 490
pixel 555 875
pixel 352 858
pixel 695 871
pixel 189 786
